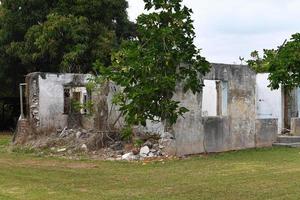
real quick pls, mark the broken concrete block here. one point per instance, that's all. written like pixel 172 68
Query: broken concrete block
pixel 129 157
pixel 144 151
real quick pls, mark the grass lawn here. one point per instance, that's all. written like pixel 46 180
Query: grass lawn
pixel 252 174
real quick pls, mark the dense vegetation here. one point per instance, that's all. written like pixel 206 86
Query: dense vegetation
pixel 282 63
pixel 151 66
pixel 58 35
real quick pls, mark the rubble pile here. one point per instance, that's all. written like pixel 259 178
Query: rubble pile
pixel 104 145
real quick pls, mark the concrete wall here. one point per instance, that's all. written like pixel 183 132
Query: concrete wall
pixel 266 132
pixel 197 134
pixel 217 136
pixel 295 126
pixel 235 128
pixel 49 88
pixel 188 130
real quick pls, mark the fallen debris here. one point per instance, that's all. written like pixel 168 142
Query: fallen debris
pixel 102 145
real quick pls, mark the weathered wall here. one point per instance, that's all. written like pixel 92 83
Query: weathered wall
pixel 295 126
pixel 32 104
pixel 291 107
pixel 217 134
pixel 106 115
pixel 235 128
pixel 188 130
pixel 241 106
pixel 266 132
pixel 46 97
pixel 196 134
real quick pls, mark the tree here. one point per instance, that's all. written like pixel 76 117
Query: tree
pixel 58 35
pixel 282 63
pixel 151 66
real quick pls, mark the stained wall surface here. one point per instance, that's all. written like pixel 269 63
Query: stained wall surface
pixel 46 98
pixel 234 129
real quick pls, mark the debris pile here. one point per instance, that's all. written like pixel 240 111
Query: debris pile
pixel 104 145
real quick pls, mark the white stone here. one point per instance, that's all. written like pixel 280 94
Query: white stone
pixel 153 150
pixel 151 155
pixel 61 150
pixel 144 151
pixel 129 156
pixel 84 147
pixel 78 134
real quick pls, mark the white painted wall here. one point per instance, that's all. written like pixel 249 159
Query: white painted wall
pixel 209 101
pixel 51 99
pixel 268 102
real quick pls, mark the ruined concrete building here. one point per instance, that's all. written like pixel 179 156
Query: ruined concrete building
pixel 236 109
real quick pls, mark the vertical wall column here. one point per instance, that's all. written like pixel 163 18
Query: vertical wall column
pixel 22 116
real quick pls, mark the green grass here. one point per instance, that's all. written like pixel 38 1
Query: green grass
pixel 251 174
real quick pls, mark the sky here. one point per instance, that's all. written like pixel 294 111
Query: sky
pixel 228 29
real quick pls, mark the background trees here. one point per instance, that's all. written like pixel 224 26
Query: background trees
pixel 282 63
pixel 58 35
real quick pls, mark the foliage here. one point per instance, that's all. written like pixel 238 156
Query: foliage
pixel 77 106
pixel 258 64
pixel 58 35
pixel 126 133
pixel 150 66
pixel 282 63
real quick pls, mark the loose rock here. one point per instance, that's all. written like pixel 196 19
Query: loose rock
pixel 84 147
pixel 61 150
pixel 144 151
pixel 129 156
pixel 148 144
